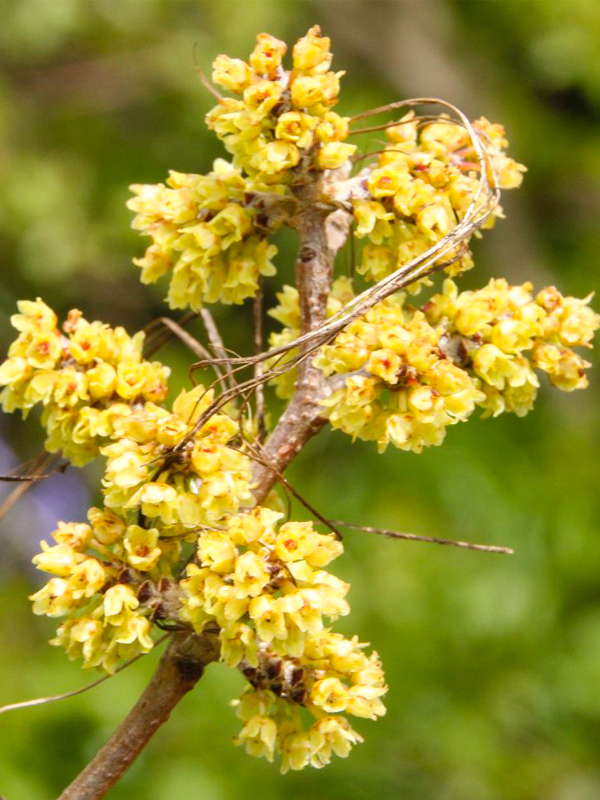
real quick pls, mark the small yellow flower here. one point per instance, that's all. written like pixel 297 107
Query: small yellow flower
pixel 88 578
pixel 102 380
pixel 118 601
pixel 386 181
pixel 71 387
pixel 373 220
pixel 331 735
pixel 266 57
pixel 232 74
pixel 107 526
pixel 296 751
pixel 268 618
pixel 276 157
pixel 333 155
pixel 330 694
pixel 310 90
pixel 294 126
pixel 258 735
pixel 238 641
pixel 41 387
pixel 332 127
pixel 134 629
pixel 60 559
pixel 35 316
pixel 14 370
pixel 76 535
pixel 141 547
pixel 312 51
pixel 259 523
pixel 261 97
pixel 385 364
pixel 328 548
pixel 217 551
pixel 44 349
pixel 54 599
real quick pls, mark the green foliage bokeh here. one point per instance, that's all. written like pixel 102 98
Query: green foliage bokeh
pixel 493 662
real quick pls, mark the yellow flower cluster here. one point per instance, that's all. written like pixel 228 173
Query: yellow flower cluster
pixel 86 378
pixel 421 187
pixel 410 373
pixel 400 389
pixel 205 481
pixel 97 570
pixel 264 586
pixel 502 333
pixel 260 584
pixel 283 119
pixel 332 678
pixel 205 233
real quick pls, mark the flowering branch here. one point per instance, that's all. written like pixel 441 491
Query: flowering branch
pixel 253 592
pixel 179 671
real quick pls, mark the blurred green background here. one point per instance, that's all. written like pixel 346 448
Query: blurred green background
pixel 493 662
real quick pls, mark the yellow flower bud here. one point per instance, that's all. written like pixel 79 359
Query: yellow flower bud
pixel 333 155
pixel 267 55
pixel 312 50
pixel 232 74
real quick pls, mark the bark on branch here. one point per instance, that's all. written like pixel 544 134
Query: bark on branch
pixel 178 671
pixel 183 663
pixel 320 236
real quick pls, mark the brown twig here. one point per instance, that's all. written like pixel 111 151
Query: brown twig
pixel 193 345
pixel 45 461
pixel 254 451
pixel 29 478
pixel 216 341
pixel 203 79
pixel 414 537
pixel 158 338
pixel 179 669
pixel 314 269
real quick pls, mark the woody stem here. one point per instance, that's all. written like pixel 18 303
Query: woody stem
pixel 183 663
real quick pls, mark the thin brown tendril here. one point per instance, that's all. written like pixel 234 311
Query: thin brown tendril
pixel 39 701
pixel 414 537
